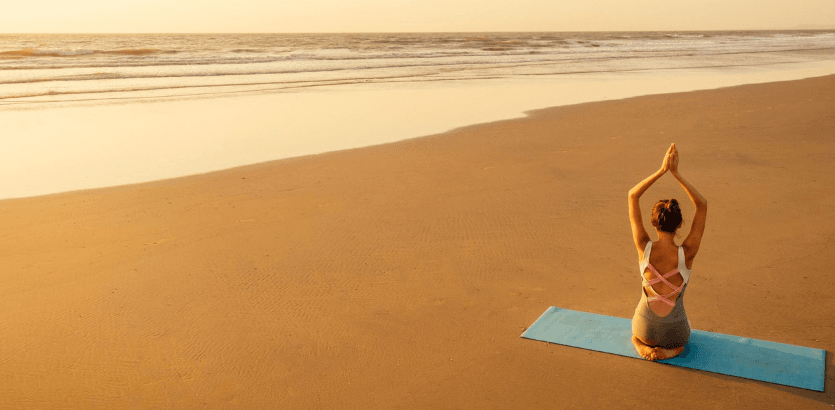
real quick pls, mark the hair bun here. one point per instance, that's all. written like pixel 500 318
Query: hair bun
pixel 666 215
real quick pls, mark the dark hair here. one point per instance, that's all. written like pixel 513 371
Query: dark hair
pixel 666 215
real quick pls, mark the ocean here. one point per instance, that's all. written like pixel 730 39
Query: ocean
pixel 48 70
pixel 87 111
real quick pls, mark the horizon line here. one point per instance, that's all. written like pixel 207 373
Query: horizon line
pixel 799 28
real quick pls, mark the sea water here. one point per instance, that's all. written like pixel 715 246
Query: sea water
pixel 86 111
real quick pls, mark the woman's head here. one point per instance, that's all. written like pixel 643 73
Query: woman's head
pixel 666 215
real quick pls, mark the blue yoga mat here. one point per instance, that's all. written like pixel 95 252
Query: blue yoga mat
pixel 714 352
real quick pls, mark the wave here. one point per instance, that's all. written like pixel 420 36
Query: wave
pixel 416 62
pixel 43 53
pixel 137 52
pixel 278 86
pixel 125 66
pixel 284 85
pixel 301 56
pixel 79 52
pixel 255 49
pixel 251 57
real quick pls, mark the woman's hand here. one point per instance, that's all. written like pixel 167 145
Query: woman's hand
pixel 671 160
pixel 665 166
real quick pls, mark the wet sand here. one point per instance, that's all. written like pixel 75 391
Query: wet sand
pixel 118 140
pixel 401 275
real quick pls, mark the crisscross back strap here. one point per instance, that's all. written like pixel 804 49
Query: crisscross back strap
pixel 662 278
pixel 682 269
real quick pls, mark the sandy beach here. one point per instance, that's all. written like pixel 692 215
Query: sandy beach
pixel 400 276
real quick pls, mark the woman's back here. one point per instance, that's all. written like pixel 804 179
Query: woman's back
pixel 664 257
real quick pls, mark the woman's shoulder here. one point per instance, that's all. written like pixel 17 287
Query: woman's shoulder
pixel 689 254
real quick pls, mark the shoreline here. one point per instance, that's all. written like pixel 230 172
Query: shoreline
pixel 157 141
pixel 402 275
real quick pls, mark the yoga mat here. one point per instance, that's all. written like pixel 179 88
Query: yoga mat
pixel 714 352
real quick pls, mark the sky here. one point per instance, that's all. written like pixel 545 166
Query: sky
pixel 322 16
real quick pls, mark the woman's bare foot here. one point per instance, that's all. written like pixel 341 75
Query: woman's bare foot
pixel 645 351
pixel 661 353
pixel 655 353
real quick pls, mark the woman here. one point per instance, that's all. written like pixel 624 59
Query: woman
pixel 660 327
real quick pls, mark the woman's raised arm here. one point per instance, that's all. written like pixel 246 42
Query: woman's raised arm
pixel 639 233
pixel 694 238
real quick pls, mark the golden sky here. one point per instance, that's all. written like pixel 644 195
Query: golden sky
pixel 281 16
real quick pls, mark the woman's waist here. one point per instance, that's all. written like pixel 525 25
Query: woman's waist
pixel 677 314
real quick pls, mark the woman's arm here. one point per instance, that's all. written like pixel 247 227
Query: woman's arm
pixel 639 234
pixel 694 238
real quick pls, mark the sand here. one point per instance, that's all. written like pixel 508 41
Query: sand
pixel 401 275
